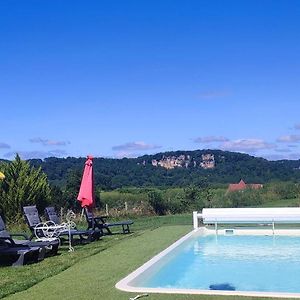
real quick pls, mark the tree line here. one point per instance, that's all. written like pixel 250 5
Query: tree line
pixel 146 188
pixel 230 167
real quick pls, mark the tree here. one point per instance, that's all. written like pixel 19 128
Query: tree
pixel 57 199
pixel 157 202
pixel 98 203
pixel 71 191
pixel 198 196
pixel 23 185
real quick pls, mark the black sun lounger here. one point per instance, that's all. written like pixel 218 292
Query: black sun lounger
pixel 15 255
pixel 90 235
pixel 100 222
pixel 51 247
pixel 18 255
pixel 33 219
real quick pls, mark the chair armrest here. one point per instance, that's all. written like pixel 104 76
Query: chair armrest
pixel 10 240
pixel 101 218
pixel 24 235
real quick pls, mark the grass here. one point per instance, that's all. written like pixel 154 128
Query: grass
pixel 92 270
pixel 282 203
pixel 14 280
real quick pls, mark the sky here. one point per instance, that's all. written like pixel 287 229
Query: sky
pixel 125 78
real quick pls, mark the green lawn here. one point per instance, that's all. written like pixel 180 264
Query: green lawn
pixel 92 271
pixel 282 203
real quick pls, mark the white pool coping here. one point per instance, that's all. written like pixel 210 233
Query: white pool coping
pixel 124 284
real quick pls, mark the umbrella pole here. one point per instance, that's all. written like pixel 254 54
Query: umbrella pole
pixel 82 213
pixel 71 249
pixel 69 217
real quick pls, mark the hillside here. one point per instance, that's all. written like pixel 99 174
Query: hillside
pixel 178 168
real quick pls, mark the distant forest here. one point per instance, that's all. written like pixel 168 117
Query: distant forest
pixel 229 167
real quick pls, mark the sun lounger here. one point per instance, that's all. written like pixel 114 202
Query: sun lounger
pixel 51 247
pixel 100 222
pixel 51 215
pixel 18 255
pixel 15 255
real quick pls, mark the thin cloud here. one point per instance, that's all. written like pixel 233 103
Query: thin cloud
pixel 291 156
pixel 297 126
pixel 294 156
pixel 47 142
pixel 283 150
pixel 292 138
pixel 36 154
pixel 126 154
pixel 4 146
pixel 274 156
pixel 210 139
pixel 246 145
pixel 135 146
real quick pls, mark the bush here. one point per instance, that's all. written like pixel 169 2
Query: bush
pixel 244 198
pixel 23 185
pixel 157 202
pixel 286 190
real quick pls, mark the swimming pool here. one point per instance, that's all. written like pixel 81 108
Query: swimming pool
pixel 255 263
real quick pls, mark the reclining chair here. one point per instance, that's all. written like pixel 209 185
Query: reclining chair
pixel 100 222
pixel 33 219
pixel 51 247
pixel 51 215
pixel 15 254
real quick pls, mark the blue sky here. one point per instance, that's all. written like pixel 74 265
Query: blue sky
pixel 124 78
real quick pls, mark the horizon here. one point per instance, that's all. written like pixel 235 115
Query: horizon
pixel 130 78
pixel 152 154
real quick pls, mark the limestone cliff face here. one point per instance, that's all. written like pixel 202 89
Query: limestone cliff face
pixel 185 161
pixel 208 161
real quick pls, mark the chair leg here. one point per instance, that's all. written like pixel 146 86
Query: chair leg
pixel 107 229
pixel 125 228
pixel 20 260
pixel 97 234
pixel 42 253
pixel 90 237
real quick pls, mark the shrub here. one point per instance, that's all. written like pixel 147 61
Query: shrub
pixel 287 190
pixel 23 185
pixel 244 198
pixel 157 202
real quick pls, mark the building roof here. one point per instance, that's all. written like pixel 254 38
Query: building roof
pixel 242 186
pixel 237 186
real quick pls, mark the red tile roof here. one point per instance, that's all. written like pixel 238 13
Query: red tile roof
pixel 242 186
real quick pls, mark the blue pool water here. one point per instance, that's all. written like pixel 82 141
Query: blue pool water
pixel 241 263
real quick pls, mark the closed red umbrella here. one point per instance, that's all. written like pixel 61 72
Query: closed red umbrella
pixel 86 192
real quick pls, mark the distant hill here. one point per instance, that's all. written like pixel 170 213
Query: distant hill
pixel 176 168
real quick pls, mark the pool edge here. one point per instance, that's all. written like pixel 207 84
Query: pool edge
pixel 123 284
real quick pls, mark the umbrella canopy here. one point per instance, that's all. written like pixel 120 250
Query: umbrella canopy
pixel 86 192
pixel 2 176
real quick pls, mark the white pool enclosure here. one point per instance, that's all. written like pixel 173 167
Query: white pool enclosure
pixel 264 216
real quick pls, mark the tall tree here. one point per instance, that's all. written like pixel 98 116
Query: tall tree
pixel 71 190
pixel 22 185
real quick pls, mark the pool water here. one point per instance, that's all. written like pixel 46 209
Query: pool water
pixel 234 263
